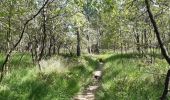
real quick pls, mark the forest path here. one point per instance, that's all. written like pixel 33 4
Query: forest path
pixel 89 92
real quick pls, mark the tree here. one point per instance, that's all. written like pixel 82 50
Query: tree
pixel 162 47
pixel 20 38
pixel 78 42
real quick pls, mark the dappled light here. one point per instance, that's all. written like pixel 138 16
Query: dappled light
pixel 52 65
pixel 84 50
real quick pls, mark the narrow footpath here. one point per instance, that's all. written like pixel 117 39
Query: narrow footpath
pixel 89 92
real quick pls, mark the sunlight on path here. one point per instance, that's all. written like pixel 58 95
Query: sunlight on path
pixel 89 92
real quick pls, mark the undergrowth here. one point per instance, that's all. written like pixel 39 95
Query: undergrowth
pixel 125 77
pixel 130 77
pixel 25 82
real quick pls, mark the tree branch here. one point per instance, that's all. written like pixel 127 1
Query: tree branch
pixel 156 30
pixel 20 38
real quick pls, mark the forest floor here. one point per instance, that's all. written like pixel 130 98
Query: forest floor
pixel 129 76
pixel 89 92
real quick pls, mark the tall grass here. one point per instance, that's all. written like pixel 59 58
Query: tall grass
pixel 25 82
pixel 130 77
pixel 127 76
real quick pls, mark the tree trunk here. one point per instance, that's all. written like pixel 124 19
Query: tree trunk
pixel 137 42
pixel 50 46
pixel 8 37
pixel 8 55
pixel 88 43
pixel 58 49
pixel 54 47
pixel 162 47
pixel 78 42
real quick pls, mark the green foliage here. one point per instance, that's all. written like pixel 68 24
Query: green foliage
pixel 119 25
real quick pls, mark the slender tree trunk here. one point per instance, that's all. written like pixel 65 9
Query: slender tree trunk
pixel 98 40
pixel 145 39
pixel 78 42
pixel 162 47
pixel 54 49
pixel 142 44
pixel 8 55
pixel 50 46
pixel 54 45
pixel 8 34
pixel 44 35
pixel 42 45
pixel 32 53
pixel 138 43
pixel 88 43
pixel 8 37
pixel 58 49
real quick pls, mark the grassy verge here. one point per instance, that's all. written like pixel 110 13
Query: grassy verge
pixel 130 77
pixel 24 82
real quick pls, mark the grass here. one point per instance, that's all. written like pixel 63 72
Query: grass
pixel 130 77
pixel 25 82
pixel 126 76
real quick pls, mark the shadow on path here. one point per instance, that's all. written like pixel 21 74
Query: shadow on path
pixel 89 92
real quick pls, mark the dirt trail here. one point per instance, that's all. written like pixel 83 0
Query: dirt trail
pixel 89 92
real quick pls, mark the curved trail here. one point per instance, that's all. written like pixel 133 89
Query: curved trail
pixel 89 92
